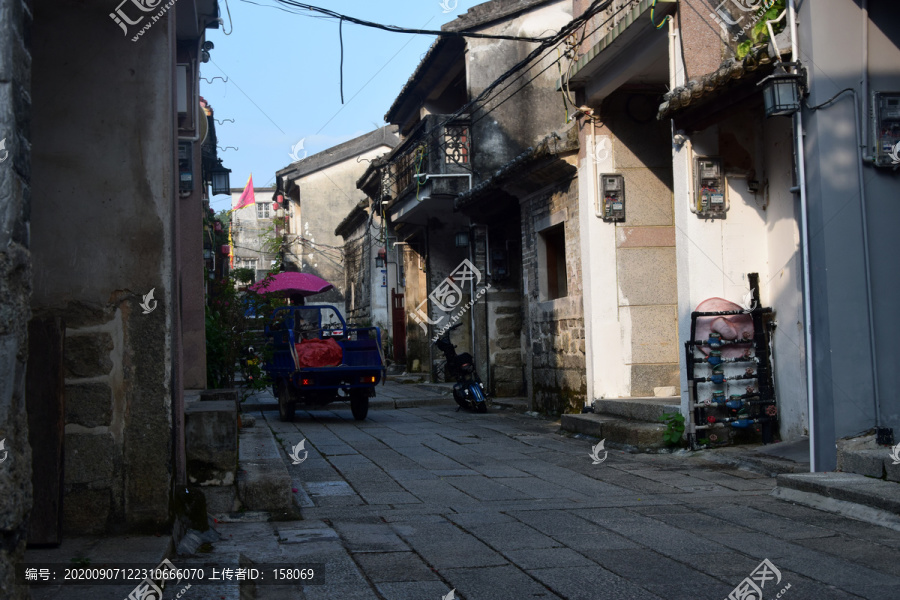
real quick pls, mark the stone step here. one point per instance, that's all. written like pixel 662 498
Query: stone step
pixel 637 435
pixel 864 456
pixel 647 409
pixel 263 481
pixel 849 494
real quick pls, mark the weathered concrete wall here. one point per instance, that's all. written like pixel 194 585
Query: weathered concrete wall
pixel 504 134
pixel 192 283
pixel 103 232
pixel 15 287
pixel 554 330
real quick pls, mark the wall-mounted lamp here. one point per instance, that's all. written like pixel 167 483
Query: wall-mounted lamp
pixel 221 179
pixel 781 92
pixel 381 258
pixel 204 51
pixel 462 239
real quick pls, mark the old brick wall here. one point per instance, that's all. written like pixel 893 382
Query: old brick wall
pixel 418 344
pixel 555 328
pixel 505 312
pixel 104 233
pixel 358 276
pixel 15 286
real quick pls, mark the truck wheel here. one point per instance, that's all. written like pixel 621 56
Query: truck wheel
pixel 286 406
pixel 359 404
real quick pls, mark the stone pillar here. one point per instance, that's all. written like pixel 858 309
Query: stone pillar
pixel 15 288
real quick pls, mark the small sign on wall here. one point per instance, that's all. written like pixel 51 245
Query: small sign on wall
pixel 384 278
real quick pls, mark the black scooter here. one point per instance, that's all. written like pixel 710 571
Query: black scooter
pixel 468 391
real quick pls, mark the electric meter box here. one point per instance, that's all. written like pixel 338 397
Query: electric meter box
pixel 710 185
pixel 886 128
pixel 185 167
pixel 613 188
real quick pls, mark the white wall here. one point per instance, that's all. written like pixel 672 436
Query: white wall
pixel 759 235
pixel 607 341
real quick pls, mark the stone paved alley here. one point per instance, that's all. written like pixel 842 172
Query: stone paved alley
pixel 413 503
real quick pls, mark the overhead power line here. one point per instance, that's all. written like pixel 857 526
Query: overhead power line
pixel 395 29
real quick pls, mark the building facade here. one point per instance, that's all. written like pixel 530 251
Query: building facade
pixel 462 262
pixel 320 191
pixel 256 231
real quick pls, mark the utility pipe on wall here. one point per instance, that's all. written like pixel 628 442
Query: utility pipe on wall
pixel 814 458
pixel 864 80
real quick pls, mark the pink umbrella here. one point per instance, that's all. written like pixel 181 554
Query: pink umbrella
pixel 291 283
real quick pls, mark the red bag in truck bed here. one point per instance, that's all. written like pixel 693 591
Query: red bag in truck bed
pixel 319 353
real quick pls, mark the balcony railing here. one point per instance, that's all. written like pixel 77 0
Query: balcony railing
pixel 435 146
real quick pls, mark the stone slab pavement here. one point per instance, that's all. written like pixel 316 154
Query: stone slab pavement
pixel 414 503
pixel 391 395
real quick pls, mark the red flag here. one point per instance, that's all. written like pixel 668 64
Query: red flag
pixel 247 198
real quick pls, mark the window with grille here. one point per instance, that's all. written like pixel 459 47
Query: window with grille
pixel 456 144
pixel 262 210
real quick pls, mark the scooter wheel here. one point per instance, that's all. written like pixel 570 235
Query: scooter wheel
pixel 286 407
pixel 481 407
pixel 359 404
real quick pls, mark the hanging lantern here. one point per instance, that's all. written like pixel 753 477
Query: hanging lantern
pixel 781 93
pixel 221 179
pixel 381 259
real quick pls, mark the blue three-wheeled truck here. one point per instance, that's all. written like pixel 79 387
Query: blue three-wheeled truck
pixel 317 359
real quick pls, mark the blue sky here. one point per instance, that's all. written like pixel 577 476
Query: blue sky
pixel 283 84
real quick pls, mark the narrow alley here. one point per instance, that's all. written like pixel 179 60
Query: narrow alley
pixel 413 503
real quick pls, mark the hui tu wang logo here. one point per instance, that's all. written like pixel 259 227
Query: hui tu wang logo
pixel 296 149
pixel 751 588
pixel 602 150
pixel 448 296
pixel 295 452
pixel 894 153
pixel 149 304
pixel 729 19
pixel 895 454
pixel 3 452
pixel 748 302
pixel 448 5
pixel 4 153
pixel 123 18
pixel 596 450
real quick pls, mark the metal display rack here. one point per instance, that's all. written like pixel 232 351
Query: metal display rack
pixel 713 410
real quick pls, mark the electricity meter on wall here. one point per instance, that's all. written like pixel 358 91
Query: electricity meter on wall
pixel 886 117
pixel 613 188
pixel 185 167
pixel 710 188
